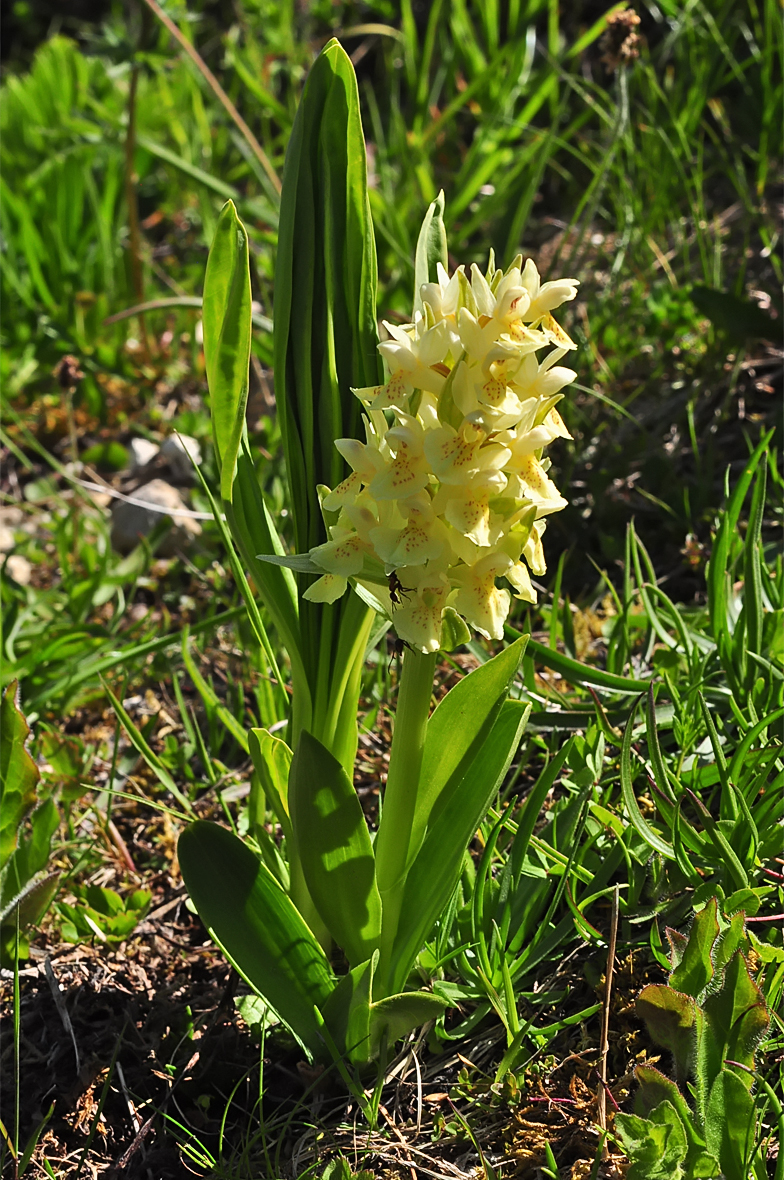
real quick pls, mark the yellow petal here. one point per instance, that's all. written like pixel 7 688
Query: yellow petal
pixel 327 589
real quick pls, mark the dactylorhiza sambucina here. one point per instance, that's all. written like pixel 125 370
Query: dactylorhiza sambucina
pixel 450 492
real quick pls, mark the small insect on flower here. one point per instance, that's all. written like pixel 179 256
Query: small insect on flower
pixel 397 647
pixel 396 590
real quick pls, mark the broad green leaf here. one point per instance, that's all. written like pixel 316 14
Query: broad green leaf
pixel 457 730
pixel 227 334
pixel 325 337
pixel 436 869
pixel 431 248
pixel 272 760
pixel 257 926
pixel 18 772
pixel 656 1088
pixel 695 970
pixel 730 1125
pixel 656 1146
pixel 395 1016
pixel 670 1017
pixel 334 846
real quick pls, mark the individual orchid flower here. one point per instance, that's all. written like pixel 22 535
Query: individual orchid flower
pixel 544 297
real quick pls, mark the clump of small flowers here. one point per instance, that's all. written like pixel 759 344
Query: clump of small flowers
pixel 450 492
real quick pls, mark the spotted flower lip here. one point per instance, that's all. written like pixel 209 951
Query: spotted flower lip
pixel 450 492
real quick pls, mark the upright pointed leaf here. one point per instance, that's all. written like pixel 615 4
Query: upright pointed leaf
pixel 227 332
pixel 257 926
pixel 695 970
pixel 735 1019
pixel 730 1125
pixel 272 760
pixel 347 1011
pixel 325 341
pixel 18 772
pixel 325 286
pixel 437 866
pixel 431 248
pixel 334 846
pixel 456 732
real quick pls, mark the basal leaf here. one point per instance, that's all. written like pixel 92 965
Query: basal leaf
pixel 656 1146
pixel 325 286
pixel 257 926
pixel 347 1011
pixel 656 1088
pixel 333 842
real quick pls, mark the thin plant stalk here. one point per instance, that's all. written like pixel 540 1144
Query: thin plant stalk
pixel 134 235
pixel 400 797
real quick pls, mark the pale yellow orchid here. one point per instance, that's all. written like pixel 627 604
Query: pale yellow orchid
pixel 450 491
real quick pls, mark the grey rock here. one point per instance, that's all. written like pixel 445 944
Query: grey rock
pixel 131 521
pixel 143 451
pixel 181 451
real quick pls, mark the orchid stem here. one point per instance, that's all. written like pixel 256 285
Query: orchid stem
pixel 393 843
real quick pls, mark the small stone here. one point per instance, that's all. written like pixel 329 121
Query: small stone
pixel 131 522
pixel 19 568
pixel 143 451
pixel 10 519
pixel 181 452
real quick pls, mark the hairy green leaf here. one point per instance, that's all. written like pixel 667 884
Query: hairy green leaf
pixel 695 970
pixel 730 1125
